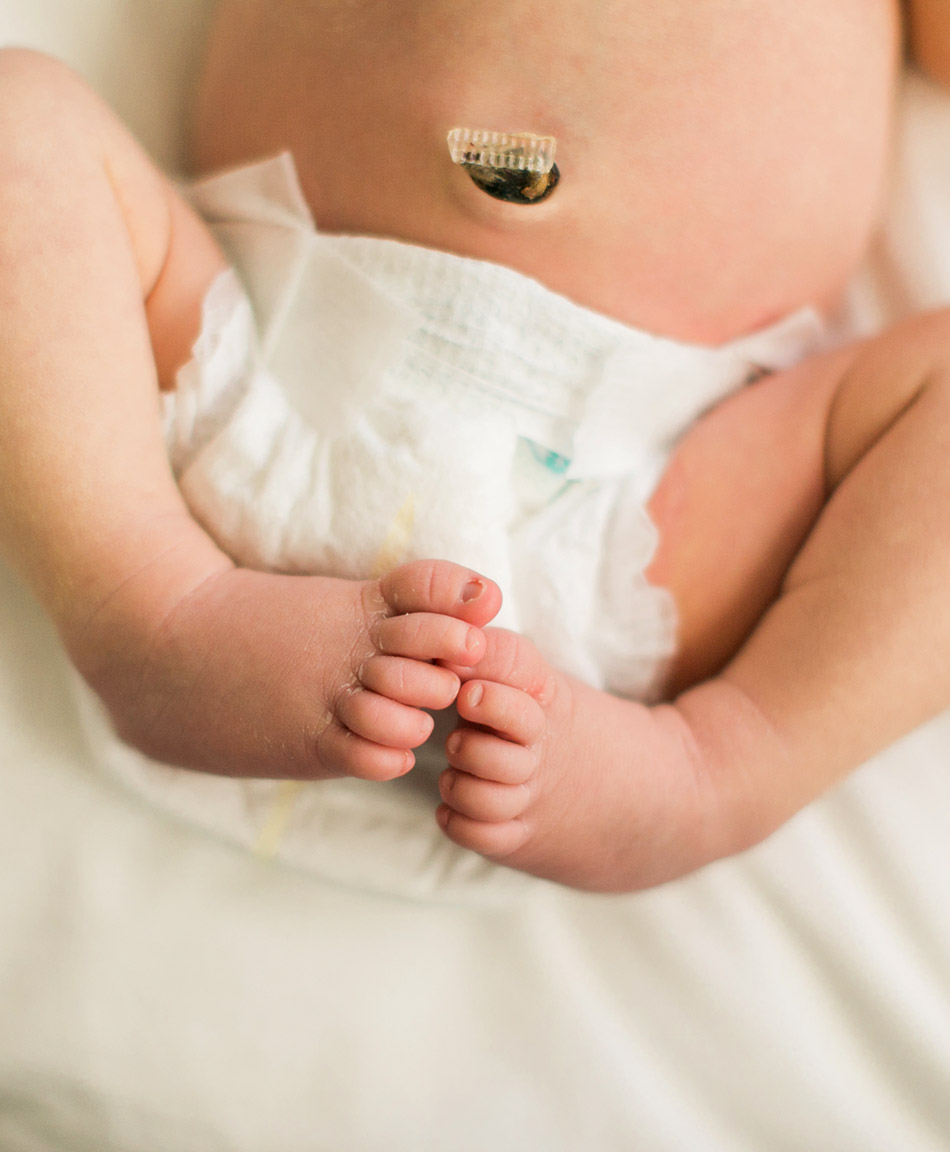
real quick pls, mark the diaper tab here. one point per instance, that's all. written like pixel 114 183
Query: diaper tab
pixel 784 343
pixel 651 390
pixel 645 398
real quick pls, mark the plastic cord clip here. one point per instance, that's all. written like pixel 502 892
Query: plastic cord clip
pixel 517 167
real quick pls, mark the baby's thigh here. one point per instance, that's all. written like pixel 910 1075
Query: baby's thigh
pixel 741 492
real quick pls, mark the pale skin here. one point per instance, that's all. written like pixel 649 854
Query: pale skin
pixel 200 663
pixel 102 270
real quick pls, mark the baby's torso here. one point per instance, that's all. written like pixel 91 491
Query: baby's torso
pixel 721 163
pixel 368 402
pixel 397 403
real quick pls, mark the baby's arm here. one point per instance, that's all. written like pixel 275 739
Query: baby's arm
pixel 817 500
pixel 102 272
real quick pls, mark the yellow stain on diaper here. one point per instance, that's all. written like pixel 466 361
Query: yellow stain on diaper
pixel 392 552
pixel 281 809
pixel 395 544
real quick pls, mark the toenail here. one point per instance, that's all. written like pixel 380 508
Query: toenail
pixel 454 743
pixel 472 640
pixel 475 695
pixel 472 590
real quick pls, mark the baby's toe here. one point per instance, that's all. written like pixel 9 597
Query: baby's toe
pixel 491 757
pixel 507 711
pixel 511 659
pixel 383 721
pixel 339 752
pixel 494 841
pixel 483 800
pixel 429 636
pixel 441 587
pixel 411 682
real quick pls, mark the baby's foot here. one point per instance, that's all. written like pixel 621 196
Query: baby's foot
pixel 555 778
pixel 378 705
pixel 258 674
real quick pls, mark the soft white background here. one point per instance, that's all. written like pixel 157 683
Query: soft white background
pixel 140 54
pixel 160 992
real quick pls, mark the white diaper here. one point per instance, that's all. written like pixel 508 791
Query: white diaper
pixel 367 402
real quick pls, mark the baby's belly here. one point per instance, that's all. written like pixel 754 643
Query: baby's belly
pixel 752 167
pixel 738 177
pixel 721 162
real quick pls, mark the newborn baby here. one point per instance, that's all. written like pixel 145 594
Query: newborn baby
pixel 720 166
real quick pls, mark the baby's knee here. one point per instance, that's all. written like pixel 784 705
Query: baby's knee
pixel 36 91
pixel 25 66
pixel 53 127
pixel 889 376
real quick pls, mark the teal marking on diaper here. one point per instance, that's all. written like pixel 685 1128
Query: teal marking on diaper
pixel 553 461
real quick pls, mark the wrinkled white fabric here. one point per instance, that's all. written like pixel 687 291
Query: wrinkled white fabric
pixel 162 990
pixel 353 403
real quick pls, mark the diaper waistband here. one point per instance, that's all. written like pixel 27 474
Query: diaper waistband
pixel 591 389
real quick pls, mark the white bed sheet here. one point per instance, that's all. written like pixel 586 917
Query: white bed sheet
pixel 162 992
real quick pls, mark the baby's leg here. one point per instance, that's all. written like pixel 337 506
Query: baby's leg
pixel 103 269
pixel 257 674
pixel 847 649
pixel 551 776
pixel 99 260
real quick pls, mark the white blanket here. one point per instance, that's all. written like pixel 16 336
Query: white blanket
pixel 163 992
